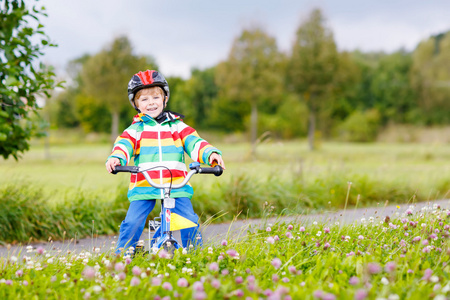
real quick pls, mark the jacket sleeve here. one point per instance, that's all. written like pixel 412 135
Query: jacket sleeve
pixel 124 146
pixel 197 148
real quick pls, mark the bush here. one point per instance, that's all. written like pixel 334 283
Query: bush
pixel 360 126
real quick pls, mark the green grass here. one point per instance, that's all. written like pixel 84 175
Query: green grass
pixel 404 258
pixel 285 175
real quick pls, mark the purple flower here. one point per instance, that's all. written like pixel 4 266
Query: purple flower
pixel 275 278
pixel 360 237
pixel 328 297
pixel 276 262
pixel 25 283
pixel 224 242
pixel 268 229
pixel 19 273
pixel 239 280
pixel 290 227
pixel 409 212
pixel 326 246
pixel 270 240
pixel 251 279
pixel 292 270
pixel 40 250
pixel 426 250
pixel 351 253
pixel 8 282
pixel 268 292
pixel 373 268
pixel 232 253
pixel 390 267
pixel 119 267
pixel 289 234
pixel 425 242
pixel 410 271
pixel 182 282
pixel 326 230
pixel 135 281
pixel 136 271
pixel 214 267
pixel 276 238
pixel 285 279
pixel 167 286
pixel 89 273
pixel 225 272
pixel 353 280
pixel 128 260
pixel 302 229
pixel 122 276
pixel 416 239
pixel 361 294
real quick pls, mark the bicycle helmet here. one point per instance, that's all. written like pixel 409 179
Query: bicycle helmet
pixel 144 80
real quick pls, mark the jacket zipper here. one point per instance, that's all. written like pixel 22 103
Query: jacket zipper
pixel 160 158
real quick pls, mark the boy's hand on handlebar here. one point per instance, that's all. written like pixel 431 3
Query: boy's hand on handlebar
pixel 215 158
pixel 112 163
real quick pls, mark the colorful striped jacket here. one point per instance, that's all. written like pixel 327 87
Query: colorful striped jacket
pixel 154 145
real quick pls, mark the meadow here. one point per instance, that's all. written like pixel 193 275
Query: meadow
pixel 62 191
pixel 402 257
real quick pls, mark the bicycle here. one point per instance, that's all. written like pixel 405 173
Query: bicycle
pixel 166 240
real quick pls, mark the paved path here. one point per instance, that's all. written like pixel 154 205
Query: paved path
pixel 214 233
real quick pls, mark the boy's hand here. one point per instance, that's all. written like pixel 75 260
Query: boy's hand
pixel 112 163
pixel 216 158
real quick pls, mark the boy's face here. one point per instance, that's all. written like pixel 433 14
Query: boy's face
pixel 151 104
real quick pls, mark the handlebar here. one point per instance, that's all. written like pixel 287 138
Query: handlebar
pixel 195 169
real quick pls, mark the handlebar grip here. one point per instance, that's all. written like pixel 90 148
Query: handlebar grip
pixel 129 169
pixel 217 170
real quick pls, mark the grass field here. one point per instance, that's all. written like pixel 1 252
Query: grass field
pixel 410 167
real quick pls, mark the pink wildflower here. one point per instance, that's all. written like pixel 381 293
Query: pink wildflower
pixel 224 242
pixel 135 281
pixel 326 230
pixel 122 276
pixel 351 253
pixel 276 262
pixel 285 279
pixel 268 229
pixel 328 297
pixel 182 282
pixel 353 280
pixel 156 281
pixel 119 267
pixel 290 227
pixel 8 282
pixel 302 229
pixel 289 235
pixel 416 239
pixel 163 254
pixel 292 270
pixel 198 286
pixel 360 237
pixel 167 286
pixel 251 279
pixel 318 294
pixel 275 278
pixel 232 253
pixel 239 293
pixel 215 283
pixel 268 292
pixel 276 238
pixel 19 273
pixel 200 295
pixel 89 273
pixel 270 240
pixel 361 294
pixel 425 242
pixel 326 246
pixel 390 267
pixel 225 272
pixel 239 280
pixel 128 261
pixel 214 267
pixel 136 271
pixel 427 274
pixel 373 268
pixel 40 250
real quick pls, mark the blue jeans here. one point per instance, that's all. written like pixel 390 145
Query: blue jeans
pixel 131 228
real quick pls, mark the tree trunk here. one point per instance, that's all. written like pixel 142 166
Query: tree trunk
pixel 254 127
pixel 114 126
pixel 311 129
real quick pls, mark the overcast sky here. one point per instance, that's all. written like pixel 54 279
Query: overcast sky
pixel 182 34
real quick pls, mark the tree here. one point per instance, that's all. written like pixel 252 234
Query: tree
pixel 252 74
pixel 430 77
pixel 22 78
pixel 104 77
pixel 313 65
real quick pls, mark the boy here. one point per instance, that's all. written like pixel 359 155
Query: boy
pixel 157 138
